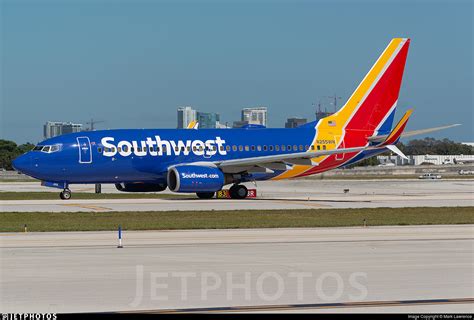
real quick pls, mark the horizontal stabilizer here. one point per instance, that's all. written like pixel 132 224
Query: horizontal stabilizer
pixel 395 149
pixel 413 132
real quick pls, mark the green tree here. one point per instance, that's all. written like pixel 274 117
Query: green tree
pixel 9 150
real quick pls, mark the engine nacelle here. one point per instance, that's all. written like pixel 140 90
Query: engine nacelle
pixel 141 187
pixel 192 178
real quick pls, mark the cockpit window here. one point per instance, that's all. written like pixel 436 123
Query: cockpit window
pixel 48 148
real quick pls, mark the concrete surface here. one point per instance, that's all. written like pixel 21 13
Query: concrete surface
pixel 85 271
pixel 286 194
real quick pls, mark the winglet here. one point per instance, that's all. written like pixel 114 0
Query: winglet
pixel 394 136
pixel 193 125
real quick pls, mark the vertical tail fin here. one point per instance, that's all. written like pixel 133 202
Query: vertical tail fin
pixel 372 105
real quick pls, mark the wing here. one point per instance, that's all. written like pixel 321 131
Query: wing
pixel 280 161
pixel 277 162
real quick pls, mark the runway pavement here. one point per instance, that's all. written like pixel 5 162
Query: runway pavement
pixel 289 194
pixel 172 270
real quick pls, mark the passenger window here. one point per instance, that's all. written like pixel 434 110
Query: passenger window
pixel 324 147
pixel 119 149
pixel 265 148
pixel 289 148
pixel 176 148
pixel 306 147
pixel 277 148
pixel 253 148
pixel 259 148
pixel 246 148
pixel 319 147
pixel 227 148
pixel 283 148
pixel 295 147
pixel 241 148
pixel 222 148
pixel 271 148
pixel 312 147
pixel 234 148
pixel 99 150
pixel 301 147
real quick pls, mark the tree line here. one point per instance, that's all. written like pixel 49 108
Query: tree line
pixel 9 150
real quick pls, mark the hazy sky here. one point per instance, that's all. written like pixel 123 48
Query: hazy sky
pixel 131 63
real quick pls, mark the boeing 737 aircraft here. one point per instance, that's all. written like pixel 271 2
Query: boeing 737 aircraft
pixel 203 161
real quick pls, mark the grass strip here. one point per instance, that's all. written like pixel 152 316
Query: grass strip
pixel 172 220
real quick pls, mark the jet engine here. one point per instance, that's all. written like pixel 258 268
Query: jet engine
pixel 193 178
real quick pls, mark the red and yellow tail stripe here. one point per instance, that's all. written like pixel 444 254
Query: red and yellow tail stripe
pixel 363 113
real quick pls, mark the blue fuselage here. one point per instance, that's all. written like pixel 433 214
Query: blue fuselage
pixel 144 155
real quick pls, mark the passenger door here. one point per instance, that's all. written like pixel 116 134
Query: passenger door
pixel 85 152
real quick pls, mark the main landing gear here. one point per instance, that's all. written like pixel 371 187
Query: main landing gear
pixel 238 191
pixel 65 194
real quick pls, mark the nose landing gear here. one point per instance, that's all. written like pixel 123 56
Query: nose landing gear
pixel 65 194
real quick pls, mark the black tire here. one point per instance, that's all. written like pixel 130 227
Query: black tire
pixel 65 194
pixel 205 195
pixel 238 191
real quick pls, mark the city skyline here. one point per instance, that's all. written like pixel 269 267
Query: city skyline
pixel 56 64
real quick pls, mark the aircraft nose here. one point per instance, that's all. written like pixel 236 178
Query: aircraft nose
pixel 22 163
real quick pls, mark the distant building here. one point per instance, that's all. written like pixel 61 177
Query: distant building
pixel 54 128
pixel 434 159
pixel 222 126
pixel 186 115
pixel 295 122
pixel 323 113
pixel 239 124
pixel 208 120
pixel 256 115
